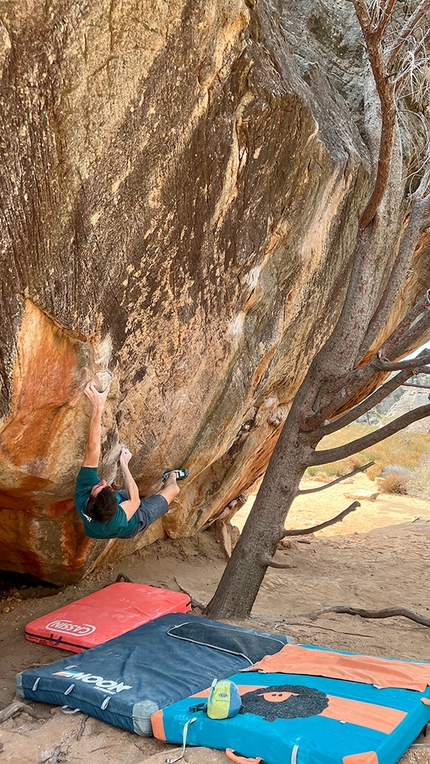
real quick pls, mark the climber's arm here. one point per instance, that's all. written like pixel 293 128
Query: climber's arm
pixel 93 446
pixel 131 504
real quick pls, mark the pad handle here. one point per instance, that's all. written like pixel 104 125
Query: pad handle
pixel 236 757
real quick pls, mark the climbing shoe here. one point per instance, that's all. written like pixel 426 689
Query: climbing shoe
pixel 181 473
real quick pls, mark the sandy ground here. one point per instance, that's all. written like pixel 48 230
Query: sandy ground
pixel 378 557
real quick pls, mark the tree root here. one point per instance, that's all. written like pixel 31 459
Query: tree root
pixel 82 728
pixel 123 577
pixel 271 563
pixel 194 603
pixel 58 755
pixel 388 612
pixel 15 708
pixel 282 623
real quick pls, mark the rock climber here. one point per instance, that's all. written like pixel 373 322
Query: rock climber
pixel 107 513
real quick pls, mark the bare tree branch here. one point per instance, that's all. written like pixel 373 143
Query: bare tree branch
pixel 417 334
pixel 415 364
pixel 421 193
pixel 342 452
pixel 407 30
pixel 333 482
pixel 342 392
pixel 271 563
pixel 421 46
pixel 419 387
pixel 385 90
pixel 369 403
pixel 408 330
pixel 385 17
pixel 363 16
pixel 337 519
pixel 388 612
pixel 423 370
pixel 401 264
pixel 414 69
pixel 388 159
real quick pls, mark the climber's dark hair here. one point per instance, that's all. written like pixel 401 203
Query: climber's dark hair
pixel 102 507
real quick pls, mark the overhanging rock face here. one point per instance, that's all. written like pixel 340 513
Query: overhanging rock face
pixel 176 204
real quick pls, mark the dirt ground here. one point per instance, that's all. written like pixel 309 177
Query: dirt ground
pixel 379 556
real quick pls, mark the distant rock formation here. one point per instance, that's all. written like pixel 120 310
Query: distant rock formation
pixel 179 185
pixel 411 399
pixel 402 400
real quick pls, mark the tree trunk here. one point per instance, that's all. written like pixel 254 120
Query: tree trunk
pixel 246 569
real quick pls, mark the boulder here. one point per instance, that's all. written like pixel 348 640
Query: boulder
pixel 180 185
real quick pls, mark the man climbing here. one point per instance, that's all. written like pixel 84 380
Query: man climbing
pixel 107 513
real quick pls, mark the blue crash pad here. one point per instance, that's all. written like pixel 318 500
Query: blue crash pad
pixel 304 718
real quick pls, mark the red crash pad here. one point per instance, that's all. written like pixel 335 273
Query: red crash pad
pixel 104 615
